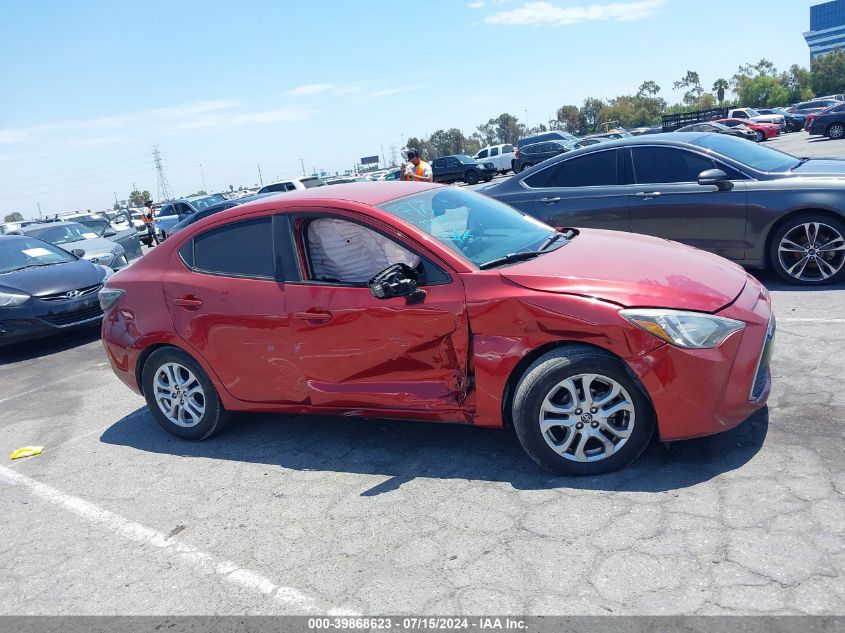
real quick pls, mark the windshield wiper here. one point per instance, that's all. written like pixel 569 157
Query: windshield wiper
pixel 510 258
pixel 568 234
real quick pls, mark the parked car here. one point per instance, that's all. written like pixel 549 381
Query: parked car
pixel 503 157
pixel 80 240
pixel 829 123
pixel 586 342
pixel 758 117
pixel 554 135
pixel 391 174
pixel 742 131
pixel 813 106
pixel 173 212
pixel 45 290
pixel 793 122
pixel 531 155
pixel 838 97
pixel 591 140
pixel 119 230
pixel 757 206
pixel 762 131
pixel 7 227
pixel 651 129
pixel 215 208
pixel 292 184
pixel 461 167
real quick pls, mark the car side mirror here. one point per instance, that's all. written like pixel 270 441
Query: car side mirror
pixel 715 177
pixel 397 280
pixel 78 252
pixel 109 232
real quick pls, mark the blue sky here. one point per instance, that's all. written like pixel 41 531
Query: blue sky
pixel 92 86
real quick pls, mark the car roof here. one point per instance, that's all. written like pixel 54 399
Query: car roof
pixel 48 224
pixel 372 193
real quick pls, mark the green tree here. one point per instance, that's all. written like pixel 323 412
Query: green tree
pixel 138 198
pixel 799 82
pixel 590 116
pixel 829 73
pixel 648 89
pixel 692 82
pixel 569 118
pixel 761 91
pixel 723 85
pixel 14 217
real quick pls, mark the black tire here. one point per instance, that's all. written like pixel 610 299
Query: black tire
pixel 835 131
pixel 471 177
pixel 488 179
pixel 525 166
pixel 759 136
pixel 829 228
pixel 214 417
pixel 541 378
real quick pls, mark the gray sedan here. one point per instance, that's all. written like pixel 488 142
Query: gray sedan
pixel 757 206
pixel 81 241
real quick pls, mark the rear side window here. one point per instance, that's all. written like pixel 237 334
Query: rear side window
pixel 240 249
pixel 494 151
pixel 592 170
pixel 667 165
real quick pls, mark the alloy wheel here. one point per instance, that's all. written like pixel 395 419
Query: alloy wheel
pixel 812 252
pixel 587 417
pixel 179 395
pixel 836 131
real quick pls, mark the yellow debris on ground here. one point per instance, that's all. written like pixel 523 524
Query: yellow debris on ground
pixel 26 451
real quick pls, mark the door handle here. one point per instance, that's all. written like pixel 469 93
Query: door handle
pixel 315 317
pixel 550 200
pixel 189 302
pixel 647 195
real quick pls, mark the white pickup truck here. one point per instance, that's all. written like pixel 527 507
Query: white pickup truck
pixel 752 115
pixel 502 156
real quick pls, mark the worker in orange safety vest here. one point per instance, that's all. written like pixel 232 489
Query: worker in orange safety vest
pixel 418 170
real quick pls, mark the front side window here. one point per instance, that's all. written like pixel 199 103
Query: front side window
pixel 482 153
pixel 668 165
pixel 494 151
pixel 596 169
pixel 452 162
pixel 240 249
pixel 475 227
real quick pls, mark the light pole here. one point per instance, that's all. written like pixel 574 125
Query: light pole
pixel 526 117
pixel 202 173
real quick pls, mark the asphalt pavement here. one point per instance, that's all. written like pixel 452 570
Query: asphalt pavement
pixel 295 514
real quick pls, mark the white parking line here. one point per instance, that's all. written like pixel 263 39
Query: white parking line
pixel 808 320
pixel 290 598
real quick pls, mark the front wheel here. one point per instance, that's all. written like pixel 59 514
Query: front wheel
pixel 576 411
pixel 759 136
pixel 809 250
pixel 180 395
pixel 836 131
pixel 471 177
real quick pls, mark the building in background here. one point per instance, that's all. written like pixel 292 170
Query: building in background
pixel 827 28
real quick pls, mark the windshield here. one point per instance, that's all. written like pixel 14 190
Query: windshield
pixel 16 254
pixel 752 112
pixel 752 154
pixel 308 183
pixel 466 160
pixel 474 226
pixel 63 233
pixel 207 201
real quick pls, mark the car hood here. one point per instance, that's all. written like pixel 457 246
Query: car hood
pixel 46 280
pixel 768 118
pixel 822 167
pixel 633 270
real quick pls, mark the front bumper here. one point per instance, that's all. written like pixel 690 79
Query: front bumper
pixel 704 392
pixel 39 318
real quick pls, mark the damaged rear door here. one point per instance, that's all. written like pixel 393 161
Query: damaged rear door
pixel 359 352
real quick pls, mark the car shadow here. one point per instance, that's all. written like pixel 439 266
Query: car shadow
pixel 30 350
pixel 403 451
pixel 772 282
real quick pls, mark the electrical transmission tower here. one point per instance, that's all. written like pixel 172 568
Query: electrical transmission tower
pixel 163 186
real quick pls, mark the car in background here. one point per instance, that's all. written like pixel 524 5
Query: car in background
pixel 44 290
pixel 554 135
pixel 753 115
pixel 502 156
pixel 171 213
pixel 793 122
pixel 762 131
pixel 461 167
pixel 815 105
pixel 391 174
pixel 7 227
pixel 591 140
pixel 839 97
pixel 586 343
pixel 742 131
pixel 650 129
pixel 215 208
pixel 744 201
pixel 292 184
pixel 80 240
pixel 531 155
pixel 829 123
pixel 119 230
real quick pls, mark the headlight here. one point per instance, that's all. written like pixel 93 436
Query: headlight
pixel 108 296
pixel 690 330
pixel 107 272
pixel 9 299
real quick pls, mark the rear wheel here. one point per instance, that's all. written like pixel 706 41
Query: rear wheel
pixel 471 177
pixel 836 131
pixel 576 411
pixel 809 250
pixel 180 395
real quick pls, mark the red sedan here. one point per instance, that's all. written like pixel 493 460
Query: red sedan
pixel 418 301
pixel 764 131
